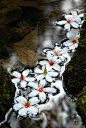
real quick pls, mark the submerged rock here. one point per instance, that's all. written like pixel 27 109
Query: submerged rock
pixel 75 74
pixel 9 12
pixel 6 92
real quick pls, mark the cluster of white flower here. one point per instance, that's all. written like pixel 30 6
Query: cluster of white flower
pixel 46 70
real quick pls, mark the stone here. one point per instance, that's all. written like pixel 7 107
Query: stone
pixel 7 92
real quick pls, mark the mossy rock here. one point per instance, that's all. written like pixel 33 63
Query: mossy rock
pixel 6 92
pixel 81 105
pixel 75 74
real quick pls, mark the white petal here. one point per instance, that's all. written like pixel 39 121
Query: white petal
pixel 62 58
pixel 54 74
pixel 49 56
pixel 43 62
pixel 58 60
pixel 42 82
pixel 33 85
pixel 48 78
pixel 57 48
pixel 67 26
pixel 72 47
pixel 74 24
pixel 33 110
pixel 68 16
pixel 46 50
pixel 23 84
pixel 67 43
pixel 50 52
pixel 42 96
pixel 21 99
pixel 17 106
pixel 77 19
pixel 74 13
pixel 23 112
pixel 76 45
pixel 50 90
pixel 81 15
pixel 16 74
pixel 25 72
pixel 29 78
pixel 15 80
pixel 56 67
pixel 40 77
pixel 33 93
pixel 62 22
pixel 37 70
pixel 70 35
pixel 34 101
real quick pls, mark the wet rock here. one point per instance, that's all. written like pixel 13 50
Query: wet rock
pixel 75 74
pixel 30 123
pixel 81 105
pixel 6 92
pixel 9 12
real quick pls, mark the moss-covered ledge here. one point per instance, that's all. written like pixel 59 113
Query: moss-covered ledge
pixel 6 92
pixel 81 105
pixel 75 74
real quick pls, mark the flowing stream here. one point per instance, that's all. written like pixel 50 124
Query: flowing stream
pixel 59 110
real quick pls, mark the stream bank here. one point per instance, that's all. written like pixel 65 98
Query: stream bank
pixel 75 74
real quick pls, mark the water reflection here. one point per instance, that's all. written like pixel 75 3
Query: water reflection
pixel 67 5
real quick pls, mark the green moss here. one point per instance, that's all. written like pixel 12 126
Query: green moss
pixel 84 18
pixel 75 75
pixel 6 92
pixel 81 105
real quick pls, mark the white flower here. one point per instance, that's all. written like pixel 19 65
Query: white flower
pixel 52 62
pixel 57 53
pixel 76 17
pixel 72 43
pixel 46 73
pixel 22 78
pixel 40 90
pixel 71 20
pixel 24 107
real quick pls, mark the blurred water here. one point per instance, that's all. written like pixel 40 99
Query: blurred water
pixel 59 112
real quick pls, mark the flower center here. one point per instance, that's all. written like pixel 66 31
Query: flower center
pixel 69 21
pixel 45 70
pixel 22 77
pixel 74 41
pixel 51 62
pixel 27 104
pixel 40 89
pixel 56 53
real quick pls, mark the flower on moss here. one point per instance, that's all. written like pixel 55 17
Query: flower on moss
pixel 24 107
pixel 40 90
pixel 72 43
pixel 22 78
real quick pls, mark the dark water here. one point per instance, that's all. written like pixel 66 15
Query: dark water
pixel 62 114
